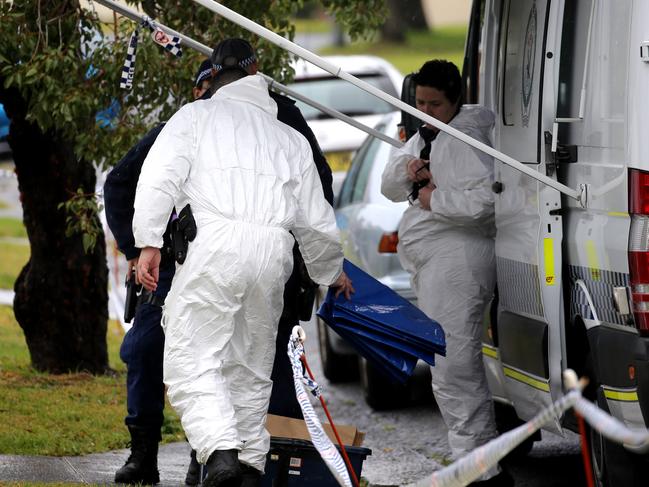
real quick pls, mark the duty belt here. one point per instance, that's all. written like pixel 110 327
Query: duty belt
pixel 149 298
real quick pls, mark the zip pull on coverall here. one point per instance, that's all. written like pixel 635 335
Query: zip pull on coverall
pixel 449 252
pixel 250 179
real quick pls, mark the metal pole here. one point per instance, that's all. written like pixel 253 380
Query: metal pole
pixel 203 49
pixel 337 71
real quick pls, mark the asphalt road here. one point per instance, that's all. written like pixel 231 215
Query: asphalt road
pixel 409 444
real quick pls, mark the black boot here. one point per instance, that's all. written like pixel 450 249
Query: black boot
pixel 223 469
pixel 142 464
pixel 250 477
pixel 193 476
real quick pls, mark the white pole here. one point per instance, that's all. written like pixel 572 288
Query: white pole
pixel 337 71
pixel 203 49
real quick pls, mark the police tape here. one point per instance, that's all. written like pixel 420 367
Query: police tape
pixel 321 441
pixel 472 466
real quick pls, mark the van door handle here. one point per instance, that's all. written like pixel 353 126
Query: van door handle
pixel 497 187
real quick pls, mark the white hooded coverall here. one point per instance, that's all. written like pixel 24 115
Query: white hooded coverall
pixel 249 179
pixel 449 252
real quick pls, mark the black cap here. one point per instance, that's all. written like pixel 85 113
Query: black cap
pixel 204 72
pixel 232 54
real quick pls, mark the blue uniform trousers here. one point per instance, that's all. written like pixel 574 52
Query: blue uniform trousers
pixel 141 351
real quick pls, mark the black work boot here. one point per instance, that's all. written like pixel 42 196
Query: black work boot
pixel 142 464
pixel 223 469
pixel 250 477
pixel 193 476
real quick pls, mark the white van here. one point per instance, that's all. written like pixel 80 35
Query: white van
pixel 568 81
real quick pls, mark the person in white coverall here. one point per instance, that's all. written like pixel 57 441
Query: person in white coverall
pixel 249 179
pixel 446 243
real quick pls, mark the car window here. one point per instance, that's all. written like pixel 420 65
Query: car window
pixel 347 189
pixel 365 167
pixel 355 182
pixel 343 96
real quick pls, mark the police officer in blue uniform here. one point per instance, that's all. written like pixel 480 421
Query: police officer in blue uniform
pixel 143 344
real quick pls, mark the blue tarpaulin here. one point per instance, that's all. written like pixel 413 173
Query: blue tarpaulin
pixel 382 326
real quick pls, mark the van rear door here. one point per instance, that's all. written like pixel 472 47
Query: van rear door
pixel 528 337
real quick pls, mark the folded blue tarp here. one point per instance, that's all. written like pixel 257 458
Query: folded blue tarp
pixel 382 326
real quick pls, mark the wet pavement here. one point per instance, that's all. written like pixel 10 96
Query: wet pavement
pixel 98 468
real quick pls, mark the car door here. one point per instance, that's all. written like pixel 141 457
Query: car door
pixel 528 220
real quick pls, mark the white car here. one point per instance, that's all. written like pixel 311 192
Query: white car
pixel 338 140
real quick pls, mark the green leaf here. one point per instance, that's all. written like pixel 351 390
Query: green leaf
pixel 88 242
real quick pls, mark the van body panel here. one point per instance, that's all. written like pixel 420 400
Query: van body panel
pixel 615 352
pixel 638 81
pixel 529 236
pixel 568 83
pixel 524 353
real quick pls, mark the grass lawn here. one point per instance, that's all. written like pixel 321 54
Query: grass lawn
pixel 442 43
pixel 13 253
pixel 68 414
pixel 13 256
pixel 312 26
pixel 12 227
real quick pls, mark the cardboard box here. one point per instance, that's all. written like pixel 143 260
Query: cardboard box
pixel 282 427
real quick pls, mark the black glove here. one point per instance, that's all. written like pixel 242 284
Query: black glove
pixel 307 291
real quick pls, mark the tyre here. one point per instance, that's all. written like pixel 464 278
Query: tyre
pixel 380 392
pixel 612 464
pixel 336 367
pixel 506 420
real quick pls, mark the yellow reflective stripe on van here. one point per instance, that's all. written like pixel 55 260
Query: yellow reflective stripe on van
pixel 548 254
pixel 593 260
pixel 623 396
pixel 617 213
pixel 526 379
pixel 489 351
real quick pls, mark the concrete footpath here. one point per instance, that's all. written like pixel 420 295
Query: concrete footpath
pixel 98 468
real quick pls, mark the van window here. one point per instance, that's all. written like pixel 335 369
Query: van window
pixel 473 53
pixel 606 71
pixel 520 61
pixel 576 19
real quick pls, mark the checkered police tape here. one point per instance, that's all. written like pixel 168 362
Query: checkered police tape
pixel 244 63
pixel 469 468
pixel 170 43
pixel 320 440
pixel 128 70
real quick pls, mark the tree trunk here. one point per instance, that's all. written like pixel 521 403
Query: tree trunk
pixel 394 28
pixel 403 15
pixel 413 14
pixel 61 294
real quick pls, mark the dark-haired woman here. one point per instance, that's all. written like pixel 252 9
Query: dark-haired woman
pixel 446 242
